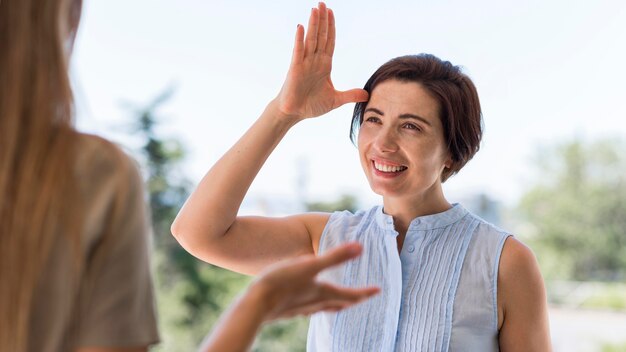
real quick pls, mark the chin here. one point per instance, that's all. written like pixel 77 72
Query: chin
pixel 384 191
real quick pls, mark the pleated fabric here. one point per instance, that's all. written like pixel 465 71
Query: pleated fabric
pixel 446 258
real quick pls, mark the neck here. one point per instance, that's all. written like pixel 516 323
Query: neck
pixel 405 209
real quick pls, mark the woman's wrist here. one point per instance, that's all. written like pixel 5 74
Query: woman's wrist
pixel 262 298
pixel 274 109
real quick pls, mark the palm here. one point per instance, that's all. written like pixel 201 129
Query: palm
pixel 308 90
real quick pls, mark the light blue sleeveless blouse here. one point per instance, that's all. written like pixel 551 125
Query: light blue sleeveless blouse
pixel 438 294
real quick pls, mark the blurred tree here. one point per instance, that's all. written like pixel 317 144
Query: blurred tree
pixel 190 294
pixel 345 202
pixel 578 211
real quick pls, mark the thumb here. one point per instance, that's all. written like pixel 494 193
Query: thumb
pixel 351 96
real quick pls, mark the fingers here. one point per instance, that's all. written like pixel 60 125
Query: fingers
pixel 322 32
pixel 311 33
pixel 330 298
pixel 351 96
pixel 329 306
pixel 330 43
pixel 338 255
pixel 349 294
pixel 334 298
pixel 298 46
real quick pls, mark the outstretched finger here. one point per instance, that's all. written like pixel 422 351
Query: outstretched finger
pixel 348 294
pixel 311 33
pixel 314 307
pixel 298 45
pixel 330 44
pixel 338 255
pixel 326 306
pixel 322 32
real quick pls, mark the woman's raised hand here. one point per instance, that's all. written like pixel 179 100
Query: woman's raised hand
pixel 308 90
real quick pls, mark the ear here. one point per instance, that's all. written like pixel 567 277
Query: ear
pixel 448 162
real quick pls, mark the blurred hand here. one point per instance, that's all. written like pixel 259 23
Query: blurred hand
pixel 290 288
pixel 308 90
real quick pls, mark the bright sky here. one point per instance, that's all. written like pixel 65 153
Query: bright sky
pixel 546 72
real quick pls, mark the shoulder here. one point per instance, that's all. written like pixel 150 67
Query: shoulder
pixel 487 238
pixel 520 284
pixel 347 221
pixel 100 162
pixel 111 187
pixel 485 228
pixel 519 277
pixel 518 262
pixel 522 302
pixel 100 150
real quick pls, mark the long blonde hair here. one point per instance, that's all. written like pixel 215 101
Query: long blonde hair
pixel 37 152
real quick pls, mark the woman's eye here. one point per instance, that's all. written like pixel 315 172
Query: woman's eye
pixel 372 119
pixel 411 126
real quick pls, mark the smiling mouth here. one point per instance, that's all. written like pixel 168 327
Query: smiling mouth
pixel 388 168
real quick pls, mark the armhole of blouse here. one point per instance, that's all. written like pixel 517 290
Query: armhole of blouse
pixel 496 268
pixel 331 218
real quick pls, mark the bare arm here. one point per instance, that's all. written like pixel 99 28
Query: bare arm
pixel 208 226
pixel 286 289
pixel 522 301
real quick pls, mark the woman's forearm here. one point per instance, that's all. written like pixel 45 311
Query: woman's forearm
pixel 236 330
pixel 212 207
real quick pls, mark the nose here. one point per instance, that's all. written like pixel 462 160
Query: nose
pixel 386 141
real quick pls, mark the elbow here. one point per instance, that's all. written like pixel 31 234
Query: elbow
pixel 176 230
pixel 195 241
pixel 181 234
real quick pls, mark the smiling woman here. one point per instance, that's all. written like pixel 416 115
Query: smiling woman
pixel 448 279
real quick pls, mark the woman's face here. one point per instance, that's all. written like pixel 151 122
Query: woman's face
pixel 401 143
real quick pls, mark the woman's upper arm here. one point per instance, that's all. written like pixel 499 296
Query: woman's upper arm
pixel 522 300
pixel 254 242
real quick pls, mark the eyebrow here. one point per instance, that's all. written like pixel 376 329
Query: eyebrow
pixel 403 116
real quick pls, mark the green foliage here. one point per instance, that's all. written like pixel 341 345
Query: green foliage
pixel 345 202
pixel 578 211
pixel 283 336
pixel 190 294
pixel 614 348
pixel 612 296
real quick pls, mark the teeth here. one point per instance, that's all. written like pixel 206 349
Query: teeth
pixel 388 168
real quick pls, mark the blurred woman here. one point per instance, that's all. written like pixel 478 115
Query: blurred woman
pixel 74 234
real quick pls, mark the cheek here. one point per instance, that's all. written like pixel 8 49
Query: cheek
pixel 429 160
pixel 362 141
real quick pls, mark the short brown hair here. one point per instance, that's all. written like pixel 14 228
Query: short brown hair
pixel 460 112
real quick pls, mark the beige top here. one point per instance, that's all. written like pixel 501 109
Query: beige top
pixel 113 303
